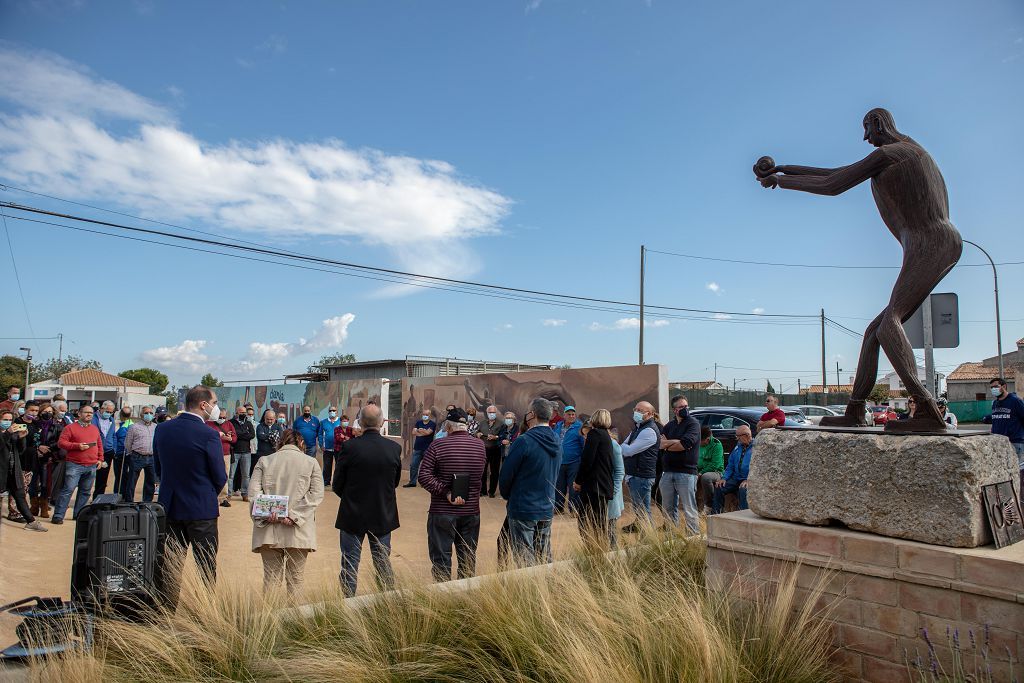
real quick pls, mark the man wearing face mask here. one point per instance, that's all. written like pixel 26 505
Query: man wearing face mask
pixel 569 433
pixel 640 455
pixel 325 439
pixel 121 464
pixel 43 435
pixel 308 425
pixel 13 396
pixel 1007 418
pixel 241 456
pixel 80 440
pixel 423 430
pixel 680 446
pixel 228 438
pixel 489 431
pixel 104 421
pixel 189 461
pixel 138 448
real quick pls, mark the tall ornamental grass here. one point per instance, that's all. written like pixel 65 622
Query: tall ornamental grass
pixel 642 615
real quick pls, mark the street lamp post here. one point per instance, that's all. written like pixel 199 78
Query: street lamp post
pixel 995 280
pixel 28 366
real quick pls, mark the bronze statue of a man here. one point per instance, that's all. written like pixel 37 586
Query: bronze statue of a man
pixel 911 198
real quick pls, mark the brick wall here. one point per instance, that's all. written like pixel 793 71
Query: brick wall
pixel 883 592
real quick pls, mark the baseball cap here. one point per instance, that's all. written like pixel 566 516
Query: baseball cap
pixel 161 410
pixel 457 415
pixel 568 408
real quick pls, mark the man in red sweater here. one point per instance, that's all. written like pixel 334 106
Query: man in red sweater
pixel 228 436
pixel 774 415
pixel 82 441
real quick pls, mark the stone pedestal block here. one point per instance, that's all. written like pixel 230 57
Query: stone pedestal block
pixel 924 488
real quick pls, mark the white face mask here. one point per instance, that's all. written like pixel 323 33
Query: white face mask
pixel 996 391
pixel 425 418
pixel 491 416
pixel 214 413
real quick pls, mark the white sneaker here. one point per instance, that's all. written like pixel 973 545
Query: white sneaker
pixel 35 525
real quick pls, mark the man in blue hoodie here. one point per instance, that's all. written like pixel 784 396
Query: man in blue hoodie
pixel 308 425
pixel 527 482
pixel 571 436
pixel 734 479
pixel 1007 418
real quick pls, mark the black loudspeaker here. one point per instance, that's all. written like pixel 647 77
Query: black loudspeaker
pixel 117 563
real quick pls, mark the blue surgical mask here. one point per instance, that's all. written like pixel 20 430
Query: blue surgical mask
pixel 280 420
pixel 996 391
pixel 105 414
pixel 5 424
pixel 15 397
pixel 21 410
pixel 638 417
pixel 344 423
pixel 509 421
pixel 147 417
pixel 333 413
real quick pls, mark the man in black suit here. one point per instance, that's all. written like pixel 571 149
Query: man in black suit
pixel 369 470
pixel 189 463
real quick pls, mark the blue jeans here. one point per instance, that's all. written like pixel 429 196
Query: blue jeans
pixel 352 551
pixel 414 466
pixel 530 541
pixel 77 476
pixel 640 495
pixel 566 476
pixel 240 460
pixel 311 450
pixel 731 486
pixel 138 464
pixel 680 488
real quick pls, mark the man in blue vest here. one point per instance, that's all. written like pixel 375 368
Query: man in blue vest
pixel 734 479
pixel 325 438
pixel 640 456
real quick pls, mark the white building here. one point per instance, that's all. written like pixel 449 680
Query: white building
pixel 898 391
pixel 85 386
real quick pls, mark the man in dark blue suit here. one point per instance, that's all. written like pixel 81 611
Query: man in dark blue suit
pixel 189 464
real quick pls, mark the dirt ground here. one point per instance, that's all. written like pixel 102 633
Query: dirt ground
pixel 33 563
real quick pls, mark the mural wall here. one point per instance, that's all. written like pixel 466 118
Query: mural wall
pixel 616 389
pixel 350 396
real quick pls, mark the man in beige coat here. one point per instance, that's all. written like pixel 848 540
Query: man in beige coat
pixel 284 542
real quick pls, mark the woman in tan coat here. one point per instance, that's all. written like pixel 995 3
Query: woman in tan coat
pixel 284 542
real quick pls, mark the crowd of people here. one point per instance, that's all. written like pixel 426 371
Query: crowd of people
pixel 548 463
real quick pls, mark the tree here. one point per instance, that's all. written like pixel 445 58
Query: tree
pixel 12 373
pixel 172 399
pixel 208 380
pixel 879 394
pixel 770 389
pixel 331 359
pixel 156 380
pixel 53 368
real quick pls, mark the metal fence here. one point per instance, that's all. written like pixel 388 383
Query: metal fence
pixel 970 411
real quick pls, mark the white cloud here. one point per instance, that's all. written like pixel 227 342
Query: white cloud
pixel 275 44
pixel 503 327
pixel 714 287
pixel 757 311
pixel 332 335
pixel 187 356
pixel 552 322
pixel 627 324
pixel 721 316
pixel 59 142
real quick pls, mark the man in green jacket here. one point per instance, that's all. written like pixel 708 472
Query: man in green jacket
pixel 709 466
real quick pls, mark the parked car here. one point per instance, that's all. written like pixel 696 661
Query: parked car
pixel 815 413
pixel 841 410
pixel 794 417
pixel 723 422
pixel 882 414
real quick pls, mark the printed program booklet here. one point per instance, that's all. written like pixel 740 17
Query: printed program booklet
pixel 263 506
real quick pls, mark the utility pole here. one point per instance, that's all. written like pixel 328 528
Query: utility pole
pixel 838 370
pixel 824 379
pixel 60 348
pixel 929 347
pixel 798 385
pixel 999 333
pixel 643 260
pixel 716 372
pixel 28 366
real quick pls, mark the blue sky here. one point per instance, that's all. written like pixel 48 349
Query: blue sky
pixel 530 144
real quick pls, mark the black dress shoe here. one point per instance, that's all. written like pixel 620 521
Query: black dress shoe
pixel 225 504
pixel 410 485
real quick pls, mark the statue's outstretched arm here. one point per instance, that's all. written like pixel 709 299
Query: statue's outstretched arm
pixel 836 181
pixel 808 170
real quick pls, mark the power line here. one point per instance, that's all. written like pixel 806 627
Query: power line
pixel 17 276
pixel 811 265
pixel 412 279
pixel 29 338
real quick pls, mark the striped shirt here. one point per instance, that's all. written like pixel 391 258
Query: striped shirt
pixel 458 453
